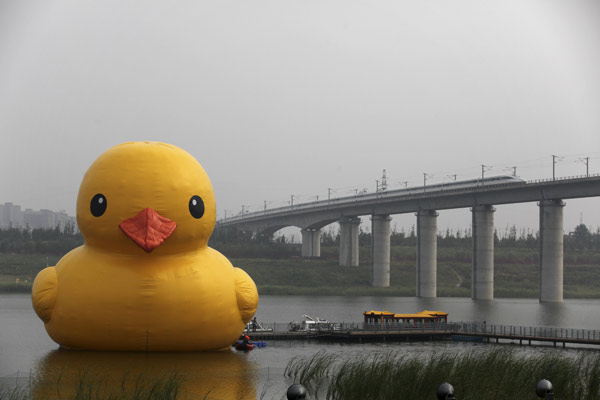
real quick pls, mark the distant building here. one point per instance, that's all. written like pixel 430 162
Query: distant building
pixel 11 216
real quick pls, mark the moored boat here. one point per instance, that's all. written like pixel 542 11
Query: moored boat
pixel 384 318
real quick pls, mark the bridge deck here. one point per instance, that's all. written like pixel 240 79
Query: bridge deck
pixel 321 213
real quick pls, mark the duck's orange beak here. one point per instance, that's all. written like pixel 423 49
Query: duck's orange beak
pixel 148 229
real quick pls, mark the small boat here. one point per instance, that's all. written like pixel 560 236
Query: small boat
pixel 241 346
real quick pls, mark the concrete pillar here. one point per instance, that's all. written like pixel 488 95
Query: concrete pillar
pixel 381 233
pixel 482 274
pixel 349 241
pixel 427 253
pixel 311 242
pixel 551 250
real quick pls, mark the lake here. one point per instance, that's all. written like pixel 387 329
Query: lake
pixel 28 356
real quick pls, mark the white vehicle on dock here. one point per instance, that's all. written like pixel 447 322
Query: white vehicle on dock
pixel 310 324
pixel 255 326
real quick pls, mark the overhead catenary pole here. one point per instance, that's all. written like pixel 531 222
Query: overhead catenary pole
pixel 586 161
pixel 555 159
pixel 587 167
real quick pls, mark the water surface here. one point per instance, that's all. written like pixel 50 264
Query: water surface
pixel 27 351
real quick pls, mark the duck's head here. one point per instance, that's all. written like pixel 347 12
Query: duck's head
pixel 146 197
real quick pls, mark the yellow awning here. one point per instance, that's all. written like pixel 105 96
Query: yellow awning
pixel 422 314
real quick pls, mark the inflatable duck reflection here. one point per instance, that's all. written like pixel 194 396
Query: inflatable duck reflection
pixel 127 375
pixel 145 279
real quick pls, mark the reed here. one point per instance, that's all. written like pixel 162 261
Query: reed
pixel 14 393
pixel 311 371
pixel 499 373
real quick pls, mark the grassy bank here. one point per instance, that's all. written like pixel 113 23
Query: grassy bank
pixel 17 271
pixel 497 374
pixel 516 272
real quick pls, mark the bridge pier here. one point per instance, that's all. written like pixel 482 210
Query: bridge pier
pixel 311 242
pixel 381 234
pixel 482 274
pixel 426 253
pixel 349 241
pixel 551 250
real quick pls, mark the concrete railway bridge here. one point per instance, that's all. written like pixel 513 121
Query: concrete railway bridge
pixel 424 202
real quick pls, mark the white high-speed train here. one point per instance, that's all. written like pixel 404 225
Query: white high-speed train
pixel 436 187
pixel 471 183
pixel 409 191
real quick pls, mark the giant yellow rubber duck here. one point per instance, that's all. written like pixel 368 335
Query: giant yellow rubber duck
pixel 145 278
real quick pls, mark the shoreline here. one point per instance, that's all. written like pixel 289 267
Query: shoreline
pixel 348 292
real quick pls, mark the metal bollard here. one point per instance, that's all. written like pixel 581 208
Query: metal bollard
pixel 445 392
pixel 296 392
pixel 544 390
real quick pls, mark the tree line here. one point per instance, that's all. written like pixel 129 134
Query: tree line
pixel 580 239
pixel 58 240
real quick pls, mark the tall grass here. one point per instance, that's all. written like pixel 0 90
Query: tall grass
pixel 14 393
pixel 497 374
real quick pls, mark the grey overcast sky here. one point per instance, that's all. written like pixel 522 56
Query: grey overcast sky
pixel 288 97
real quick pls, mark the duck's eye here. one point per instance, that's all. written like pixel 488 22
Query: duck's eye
pixel 196 207
pixel 98 205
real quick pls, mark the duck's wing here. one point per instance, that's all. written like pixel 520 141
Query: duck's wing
pixel 247 295
pixel 43 293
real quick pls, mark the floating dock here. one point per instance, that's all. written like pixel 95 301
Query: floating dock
pixel 470 332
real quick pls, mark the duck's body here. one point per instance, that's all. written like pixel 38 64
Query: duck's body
pixel 177 298
pixel 116 305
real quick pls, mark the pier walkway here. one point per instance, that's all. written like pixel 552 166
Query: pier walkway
pixel 458 331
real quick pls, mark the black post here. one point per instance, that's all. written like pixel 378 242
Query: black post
pixel 296 392
pixel 445 392
pixel 543 389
